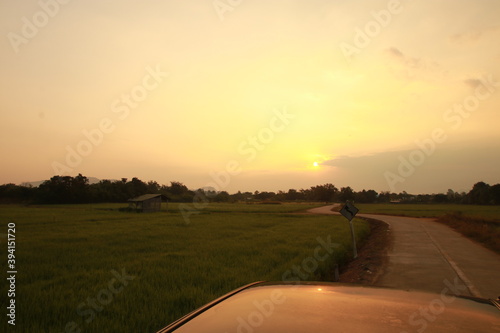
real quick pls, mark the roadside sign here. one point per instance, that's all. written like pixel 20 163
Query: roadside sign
pixel 349 211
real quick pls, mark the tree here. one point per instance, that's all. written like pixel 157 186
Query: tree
pixel 104 191
pixel 222 196
pixel 153 187
pixel 64 189
pixel 12 193
pixel 80 188
pixel 177 188
pixel 346 194
pixel 264 195
pixel 369 196
pixel 325 193
pixel 293 195
pixel 440 198
pixel 280 196
pixel 480 194
pixel 238 197
pixel 136 187
pixel 178 192
pixel 450 194
pixel 495 194
pixel 384 196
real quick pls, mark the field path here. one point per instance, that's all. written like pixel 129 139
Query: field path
pixel 427 255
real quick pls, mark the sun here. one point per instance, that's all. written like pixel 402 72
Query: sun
pixel 316 164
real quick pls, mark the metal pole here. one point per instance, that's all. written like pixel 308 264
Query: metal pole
pixel 354 250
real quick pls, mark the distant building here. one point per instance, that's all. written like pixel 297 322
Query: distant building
pixel 147 203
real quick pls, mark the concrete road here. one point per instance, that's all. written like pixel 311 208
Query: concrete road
pixel 429 256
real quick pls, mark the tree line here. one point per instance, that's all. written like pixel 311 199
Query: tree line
pixel 67 189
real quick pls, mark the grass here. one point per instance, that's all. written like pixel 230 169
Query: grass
pixel 65 256
pixel 431 210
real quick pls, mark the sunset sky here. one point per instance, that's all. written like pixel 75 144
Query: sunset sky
pixel 247 95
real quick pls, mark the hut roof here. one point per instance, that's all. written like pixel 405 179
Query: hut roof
pixel 145 197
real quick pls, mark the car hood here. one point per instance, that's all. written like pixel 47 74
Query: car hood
pixel 331 307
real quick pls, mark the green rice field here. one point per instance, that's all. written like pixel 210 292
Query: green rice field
pixel 431 210
pixel 92 268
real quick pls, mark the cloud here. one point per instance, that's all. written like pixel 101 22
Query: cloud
pixel 409 61
pixel 473 36
pixel 453 165
pixel 410 67
pixel 395 52
pixel 466 37
pixel 376 161
pixel 473 83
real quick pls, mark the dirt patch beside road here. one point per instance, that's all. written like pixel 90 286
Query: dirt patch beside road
pixel 372 256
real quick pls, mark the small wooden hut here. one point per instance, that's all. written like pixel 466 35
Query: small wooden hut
pixel 147 203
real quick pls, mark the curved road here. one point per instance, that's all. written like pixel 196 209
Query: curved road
pixel 429 256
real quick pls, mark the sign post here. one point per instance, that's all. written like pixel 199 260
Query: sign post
pixel 349 211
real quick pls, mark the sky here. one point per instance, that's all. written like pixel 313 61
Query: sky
pixel 252 94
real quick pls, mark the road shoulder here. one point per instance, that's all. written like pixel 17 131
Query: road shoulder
pixel 372 256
